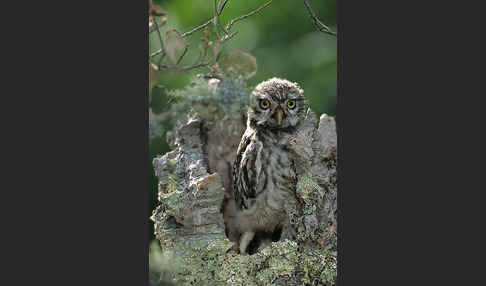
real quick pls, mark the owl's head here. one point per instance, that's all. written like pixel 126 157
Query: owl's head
pixel 276 103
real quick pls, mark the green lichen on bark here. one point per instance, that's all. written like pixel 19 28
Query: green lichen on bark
pixel 308 188
pixel 213 101
pixel 284 263
pixel 302 211
pixel 169 196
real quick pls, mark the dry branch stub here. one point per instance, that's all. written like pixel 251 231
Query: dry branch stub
pixel 195 176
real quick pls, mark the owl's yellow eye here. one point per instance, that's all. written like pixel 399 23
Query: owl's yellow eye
pixel 291 104
pixel 264 104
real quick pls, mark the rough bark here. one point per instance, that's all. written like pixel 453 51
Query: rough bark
pixel 195 175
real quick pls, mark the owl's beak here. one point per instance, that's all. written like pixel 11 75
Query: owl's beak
pixel 279 115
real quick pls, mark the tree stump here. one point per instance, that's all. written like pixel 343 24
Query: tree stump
pixel 193 179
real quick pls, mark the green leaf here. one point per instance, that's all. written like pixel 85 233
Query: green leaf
pixel 175 46
pixel 239 63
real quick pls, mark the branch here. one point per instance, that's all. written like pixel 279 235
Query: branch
pixel 219 5
pixel 228 27
pixel 197 28
pixel 319 25
pixel 163 21
pixel 219 23
pixel 194 66
pixel 180 69
pixel 216 18
pixel 161 43
pixel 222 7
pixel 156 53
pixel 229 36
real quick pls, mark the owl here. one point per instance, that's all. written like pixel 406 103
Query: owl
pixel 264 174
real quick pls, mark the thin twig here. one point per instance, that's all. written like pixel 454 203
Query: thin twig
pixel 161 43
pixel 222 7
pixel 215 21
pixel 222 28
pixel 194 66
pixel 228 27
pixel 158 32
pixel 180 69
pixel 156 27
pixel 319 25
pixel 197 28
pixel 183 54
pixel 160 51
pixel 154 66
pixel 153 29
pixel 156 53
pixel 202 54
pixel 216 18
pixel 229 36
pixel 219 23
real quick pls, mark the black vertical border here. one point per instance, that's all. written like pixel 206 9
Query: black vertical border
pixel 81 143
pixel 340 151
pixel 146 136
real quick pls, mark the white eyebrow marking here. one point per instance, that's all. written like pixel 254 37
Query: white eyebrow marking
pixel 292 96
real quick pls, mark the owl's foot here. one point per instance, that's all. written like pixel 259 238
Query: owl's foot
pixel 245 241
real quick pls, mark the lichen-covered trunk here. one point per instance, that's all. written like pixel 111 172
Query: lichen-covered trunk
pixel 195 177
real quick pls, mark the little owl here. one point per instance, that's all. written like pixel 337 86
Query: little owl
pixel 264 175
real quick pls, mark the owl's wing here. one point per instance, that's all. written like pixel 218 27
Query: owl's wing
pixel 246 171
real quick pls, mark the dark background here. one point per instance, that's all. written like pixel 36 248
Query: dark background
pixel 281 37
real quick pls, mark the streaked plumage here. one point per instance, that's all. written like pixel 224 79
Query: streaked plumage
pixel 264 173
